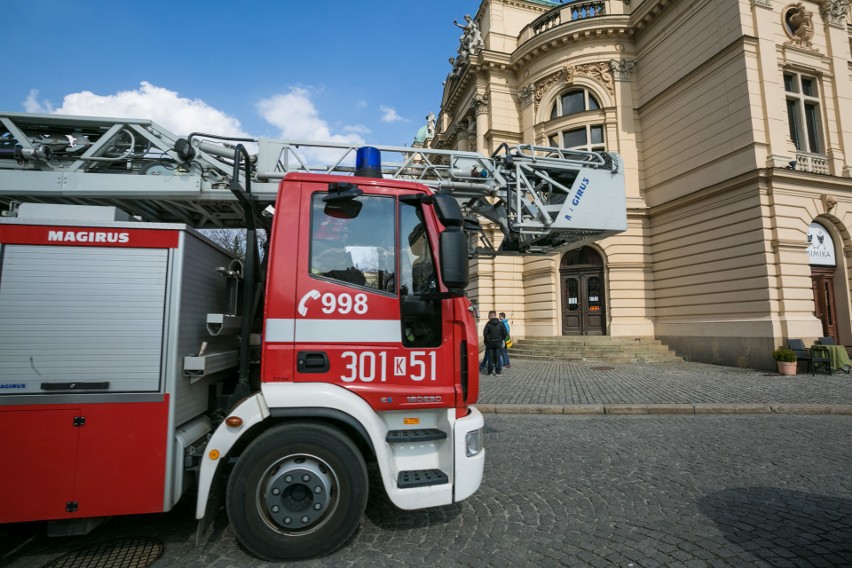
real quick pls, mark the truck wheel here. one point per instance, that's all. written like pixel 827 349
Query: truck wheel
pixel 297 491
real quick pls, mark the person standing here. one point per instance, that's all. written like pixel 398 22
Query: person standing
pixel 494 334
pixel 504 351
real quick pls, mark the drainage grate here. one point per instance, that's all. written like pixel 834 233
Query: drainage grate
pixel 132 552
pixel 601 368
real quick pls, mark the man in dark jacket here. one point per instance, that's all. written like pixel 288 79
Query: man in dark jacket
pixel 494 335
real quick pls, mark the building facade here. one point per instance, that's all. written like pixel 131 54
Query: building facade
pixel 734 120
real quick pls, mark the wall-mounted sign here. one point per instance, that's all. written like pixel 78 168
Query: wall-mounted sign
pixel 820 246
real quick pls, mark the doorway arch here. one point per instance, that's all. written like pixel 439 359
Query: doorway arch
pixel 823 262
pixel 581 276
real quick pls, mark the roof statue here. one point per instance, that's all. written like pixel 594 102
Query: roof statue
pixel 470 43
pixel 426 132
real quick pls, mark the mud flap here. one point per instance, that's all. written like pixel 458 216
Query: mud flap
pixel 214 505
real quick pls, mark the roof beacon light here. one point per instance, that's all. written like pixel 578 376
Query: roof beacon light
pixel 368 162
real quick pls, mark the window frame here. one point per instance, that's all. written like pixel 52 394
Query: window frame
pixel 589 146
pixel 557 110
pixel 313 256
pixel 804 113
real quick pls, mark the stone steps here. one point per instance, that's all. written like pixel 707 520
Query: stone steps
pixel 594 349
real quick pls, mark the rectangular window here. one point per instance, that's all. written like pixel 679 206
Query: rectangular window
pixel 793 120
pixel 574 138
pixel 417 280
pixel 353 241
pixel 803 113
pixel 589 138
pixel 812 124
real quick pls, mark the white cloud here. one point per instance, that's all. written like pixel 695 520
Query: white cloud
pixel 32 104
pixel 297 117
pixel 293 113
pixel 357 129
pixel 178 114
pixel 389 114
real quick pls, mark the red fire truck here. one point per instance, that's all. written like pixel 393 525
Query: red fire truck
pixel 138 359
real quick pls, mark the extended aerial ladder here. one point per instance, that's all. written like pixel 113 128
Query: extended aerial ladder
pixel 540 198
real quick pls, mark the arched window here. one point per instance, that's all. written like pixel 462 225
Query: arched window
pixel 581 256
pixel 572 102
pixel 572 132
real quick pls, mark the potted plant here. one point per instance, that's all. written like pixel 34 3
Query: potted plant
pixel 786 360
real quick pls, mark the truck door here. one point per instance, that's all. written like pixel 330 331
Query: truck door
pixel 367 312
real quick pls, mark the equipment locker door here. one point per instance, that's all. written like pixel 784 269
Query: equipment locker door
pixel 40 455
pixel 87 316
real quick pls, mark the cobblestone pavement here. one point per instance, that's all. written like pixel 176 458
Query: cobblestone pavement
pixel 618 491
pixel 561 383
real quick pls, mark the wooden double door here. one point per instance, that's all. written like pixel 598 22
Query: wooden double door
pixel 583 308
pixel 822 280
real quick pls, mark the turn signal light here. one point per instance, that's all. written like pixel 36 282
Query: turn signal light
pixel 234 421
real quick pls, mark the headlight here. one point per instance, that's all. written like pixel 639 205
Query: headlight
pixel 474 442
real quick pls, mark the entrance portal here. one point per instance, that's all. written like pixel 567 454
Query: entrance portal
pixel 582 278
pixel 823 265
pixel 822 280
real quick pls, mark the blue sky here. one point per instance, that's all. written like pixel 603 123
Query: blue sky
pixel 356 71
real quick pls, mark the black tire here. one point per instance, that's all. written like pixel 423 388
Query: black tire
pixel 297 491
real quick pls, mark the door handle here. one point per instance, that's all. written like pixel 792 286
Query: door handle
pixel 312 362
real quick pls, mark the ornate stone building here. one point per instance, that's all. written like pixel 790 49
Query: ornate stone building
pixel 734 119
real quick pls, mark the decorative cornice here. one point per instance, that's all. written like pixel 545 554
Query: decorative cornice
pixel 834 12
pixel 565 74
pixel 600 72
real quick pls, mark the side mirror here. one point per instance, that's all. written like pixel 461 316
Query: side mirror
pixel 454 262
pixel 340 201
pixel 448 210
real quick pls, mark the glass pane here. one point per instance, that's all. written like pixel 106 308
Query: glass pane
pixel 417 276
pixel 594 296
pixel 358 249
pixel 593 103
pixel 812 124
pixel 553 141
pixel 553 112
pixel 828 308
pixel 790 84
pixel 573 102
pixel 574 138
pixel 793 120
pixel 572 299
pixel 417 271
pixel 597 134
pixel 808 87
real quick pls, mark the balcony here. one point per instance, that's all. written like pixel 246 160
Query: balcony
pixel 812 163
pixel 564 14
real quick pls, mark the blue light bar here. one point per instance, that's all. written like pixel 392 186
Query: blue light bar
pixel 368 162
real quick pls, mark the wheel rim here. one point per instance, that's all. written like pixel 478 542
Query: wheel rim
pixel 297 494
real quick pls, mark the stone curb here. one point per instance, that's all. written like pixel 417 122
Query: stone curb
pixel 638 409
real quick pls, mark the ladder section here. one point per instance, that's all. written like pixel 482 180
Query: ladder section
pixel 540 198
